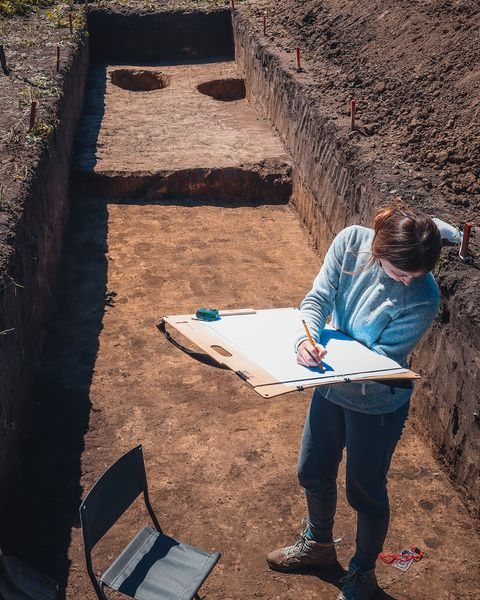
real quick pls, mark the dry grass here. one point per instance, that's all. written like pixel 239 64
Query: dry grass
pixel 30 40
pixel 21 7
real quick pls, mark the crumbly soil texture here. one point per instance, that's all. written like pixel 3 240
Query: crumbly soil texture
pixel 30 45
pixel 221 460
pixel 413 69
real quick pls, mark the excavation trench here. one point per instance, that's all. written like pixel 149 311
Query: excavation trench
pixel 181 199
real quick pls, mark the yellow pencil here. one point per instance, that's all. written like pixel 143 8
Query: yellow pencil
pixel 310 339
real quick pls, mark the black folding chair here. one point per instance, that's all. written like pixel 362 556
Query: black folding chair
pixel 153 566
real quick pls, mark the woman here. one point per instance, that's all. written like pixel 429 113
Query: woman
pixel 377 286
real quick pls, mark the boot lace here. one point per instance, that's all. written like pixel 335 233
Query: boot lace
pixel 298 547
pixel 302 544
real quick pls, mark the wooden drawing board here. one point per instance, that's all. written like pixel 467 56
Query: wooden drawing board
pixel 259 346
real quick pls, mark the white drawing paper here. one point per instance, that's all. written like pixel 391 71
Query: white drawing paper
pixel 267 337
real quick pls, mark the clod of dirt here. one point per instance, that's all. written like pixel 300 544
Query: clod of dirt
pixel 139 80
pixel 226 90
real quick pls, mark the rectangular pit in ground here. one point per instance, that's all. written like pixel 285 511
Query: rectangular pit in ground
pixel 337 205
pixel 194 131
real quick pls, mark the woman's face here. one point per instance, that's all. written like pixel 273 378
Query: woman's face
pixel 403 276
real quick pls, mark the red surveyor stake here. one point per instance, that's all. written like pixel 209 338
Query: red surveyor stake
pixel 298 59
pixel 264 23
pixel 33 115
pixel 467 230
pixel 353 107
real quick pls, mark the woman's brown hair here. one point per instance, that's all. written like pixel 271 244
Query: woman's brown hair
pixel 409 241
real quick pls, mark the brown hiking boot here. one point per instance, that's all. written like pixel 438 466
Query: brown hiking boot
pixel 303 554
pixel 358 584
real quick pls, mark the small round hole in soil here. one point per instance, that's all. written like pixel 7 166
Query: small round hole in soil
pixel 139 80
pixel 226 90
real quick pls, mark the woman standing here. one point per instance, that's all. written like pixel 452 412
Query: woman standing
pixel 377 287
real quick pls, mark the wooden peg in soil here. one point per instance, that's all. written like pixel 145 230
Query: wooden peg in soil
pixel 299 68
pixel 33 115
pixel 467 230
pixel 3 60
pixel 353 108
pixel 70 22
pixel 58 59
pixel 264 23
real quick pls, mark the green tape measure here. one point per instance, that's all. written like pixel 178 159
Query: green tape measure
pixel 207 314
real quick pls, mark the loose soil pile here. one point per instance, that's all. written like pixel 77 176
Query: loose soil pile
pixel 414 69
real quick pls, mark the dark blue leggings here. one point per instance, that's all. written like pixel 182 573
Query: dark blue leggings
pixel 370 441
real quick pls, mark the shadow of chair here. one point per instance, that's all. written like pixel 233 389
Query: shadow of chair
pixel 152 566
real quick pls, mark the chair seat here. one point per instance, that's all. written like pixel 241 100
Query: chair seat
pixel 156 567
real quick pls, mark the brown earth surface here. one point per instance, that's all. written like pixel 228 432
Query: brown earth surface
pixel 414 70
pixel 412 67
pixel 173 128
pixel 221 460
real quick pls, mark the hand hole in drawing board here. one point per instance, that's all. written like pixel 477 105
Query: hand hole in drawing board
pixel 221 350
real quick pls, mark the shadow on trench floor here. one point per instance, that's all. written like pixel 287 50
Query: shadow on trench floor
pixel 46 508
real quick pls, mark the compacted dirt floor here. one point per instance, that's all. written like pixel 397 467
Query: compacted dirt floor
pixel 173 127
pixel 220 459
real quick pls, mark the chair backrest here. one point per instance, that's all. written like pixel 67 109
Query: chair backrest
pixel 111 495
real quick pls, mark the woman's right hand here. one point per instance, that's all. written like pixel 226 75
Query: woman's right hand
pixel 310 355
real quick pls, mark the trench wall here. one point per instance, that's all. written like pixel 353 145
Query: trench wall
pixel 35 256
pixel 269 181
pixel 448 396
pixel 160 36
pixel 329 194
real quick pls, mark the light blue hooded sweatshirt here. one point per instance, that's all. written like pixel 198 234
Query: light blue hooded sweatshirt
pixel 366 304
